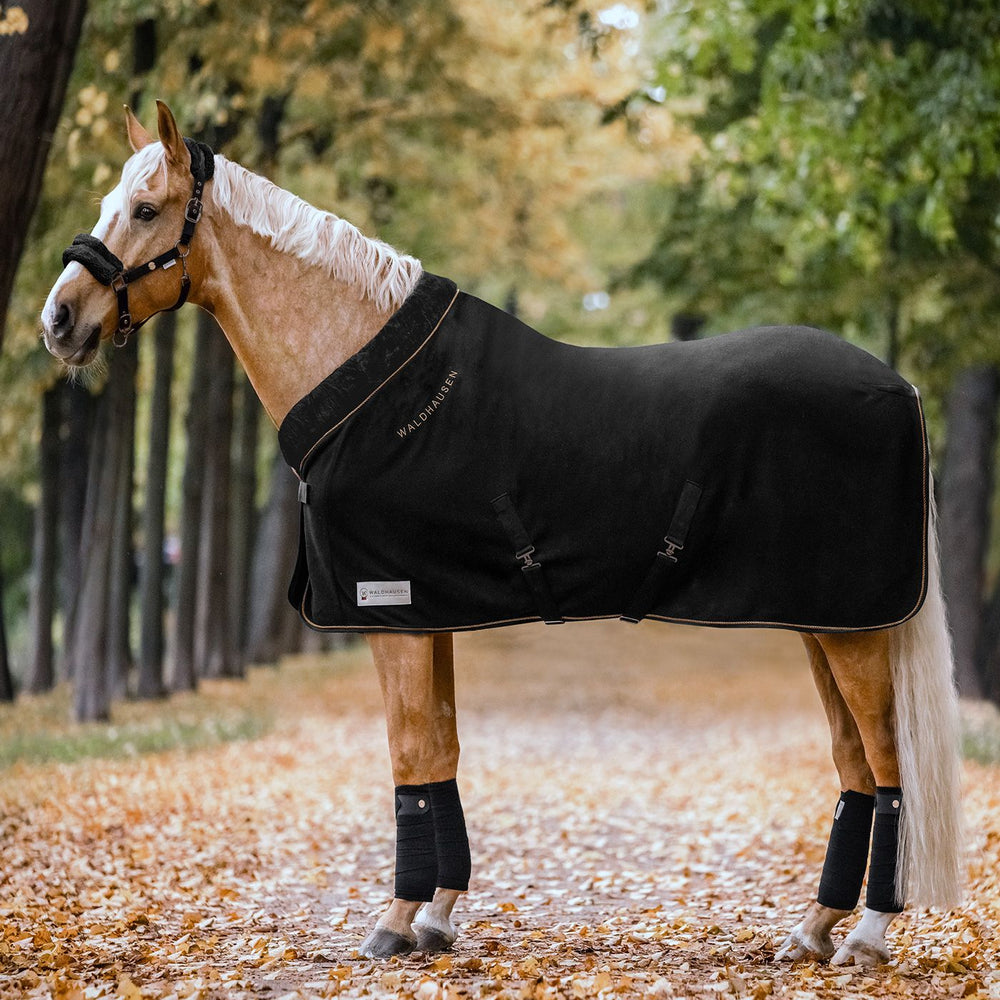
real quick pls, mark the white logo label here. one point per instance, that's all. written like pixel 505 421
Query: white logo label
pixel 383 592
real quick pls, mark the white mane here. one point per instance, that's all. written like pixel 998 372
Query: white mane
pixel 293 226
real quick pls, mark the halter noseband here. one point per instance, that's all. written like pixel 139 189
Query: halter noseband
pixel 109 270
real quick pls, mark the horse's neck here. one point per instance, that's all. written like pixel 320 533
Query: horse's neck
pixel 289 322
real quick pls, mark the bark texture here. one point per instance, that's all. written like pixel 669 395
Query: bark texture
pixel 964 495
pixel 216 643
pixel 274 625
pixel 183 676
pixel 34 67
pixel 40 674
pixel 79 411
pixel 244 511
pixel 150 681
pixel 122 572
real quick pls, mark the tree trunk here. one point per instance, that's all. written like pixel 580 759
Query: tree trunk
pixel 271 616
pixel 120 585
pixel 78 411
pixel 150 684
pixel 989 649
pixel 91 634
pixel 244 510
pixel 965 491
pixel 6 681
pixel 34 67
pixel 41 675
pixel 215 643
pixel 183 676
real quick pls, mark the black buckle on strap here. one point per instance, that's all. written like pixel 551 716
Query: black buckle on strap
pixel 666 559
pixel 524 549
pixel 193 210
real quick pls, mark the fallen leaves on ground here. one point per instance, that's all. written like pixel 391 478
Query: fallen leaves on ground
pixel 648 809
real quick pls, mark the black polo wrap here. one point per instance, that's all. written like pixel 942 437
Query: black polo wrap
pixel 416 853
pixel 847 851
pixel 883 892
pixel 432 846
pixel 92 253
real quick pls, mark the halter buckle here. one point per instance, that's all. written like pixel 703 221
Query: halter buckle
pixel 192 213
pixel 118 283
pixel 120 337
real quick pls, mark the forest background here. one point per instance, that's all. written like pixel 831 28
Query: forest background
pixel 616 173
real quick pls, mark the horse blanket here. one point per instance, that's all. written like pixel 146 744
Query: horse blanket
pixel 462 471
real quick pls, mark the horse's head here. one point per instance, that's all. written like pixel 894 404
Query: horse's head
pixel 145 232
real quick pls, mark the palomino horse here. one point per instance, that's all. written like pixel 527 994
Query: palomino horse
pixel 299 293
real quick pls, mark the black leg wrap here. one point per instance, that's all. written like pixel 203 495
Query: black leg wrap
pixel 847 852
pixel 883 890
pixel 454 862
pixel 416 853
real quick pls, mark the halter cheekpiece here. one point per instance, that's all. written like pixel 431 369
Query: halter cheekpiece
pixel 109 270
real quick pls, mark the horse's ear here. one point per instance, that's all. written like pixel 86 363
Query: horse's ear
pixel 138 137
pixel 170 136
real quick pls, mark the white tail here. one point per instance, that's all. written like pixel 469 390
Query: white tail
pixel 927 745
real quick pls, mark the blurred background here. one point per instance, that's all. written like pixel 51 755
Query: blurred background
pixel 614 173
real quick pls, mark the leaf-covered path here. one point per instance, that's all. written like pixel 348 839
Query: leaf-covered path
pixel 648 809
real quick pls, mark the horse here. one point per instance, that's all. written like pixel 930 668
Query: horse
pixel 302 295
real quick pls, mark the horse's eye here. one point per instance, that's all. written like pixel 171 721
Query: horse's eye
pixel 145 212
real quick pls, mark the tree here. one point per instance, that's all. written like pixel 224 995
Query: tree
pixel 41 672
pixel 150 682
pixel 272 621
pixel 122 569
pixel 184 673
pixel 36 56
pixel 216 646
pixel 92 684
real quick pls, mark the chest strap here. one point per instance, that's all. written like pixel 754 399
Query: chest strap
pixel 667 559
pixel 524 552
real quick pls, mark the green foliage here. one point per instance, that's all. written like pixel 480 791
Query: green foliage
pixel 850 166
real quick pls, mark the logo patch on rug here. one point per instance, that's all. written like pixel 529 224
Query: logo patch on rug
pixel 371 592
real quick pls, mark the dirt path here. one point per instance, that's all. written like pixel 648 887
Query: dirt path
pixel 648 809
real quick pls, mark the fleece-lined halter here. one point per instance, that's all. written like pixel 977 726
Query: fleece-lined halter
pixel 109 270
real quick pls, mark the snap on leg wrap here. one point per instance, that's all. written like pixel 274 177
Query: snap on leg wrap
pixel 847 852
pixel 416 851
pixel 883 891
pixel 454 862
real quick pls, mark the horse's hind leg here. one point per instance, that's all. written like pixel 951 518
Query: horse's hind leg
pixel 432 850
pixel 861 666
pixel 847 852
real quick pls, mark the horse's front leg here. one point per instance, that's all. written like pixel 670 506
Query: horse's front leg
pixel 416 673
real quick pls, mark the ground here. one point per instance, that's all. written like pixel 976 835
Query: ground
pixel 648 809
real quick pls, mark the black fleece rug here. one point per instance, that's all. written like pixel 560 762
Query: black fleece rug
pixel 462 471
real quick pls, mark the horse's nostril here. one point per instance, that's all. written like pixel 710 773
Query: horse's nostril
pixel 64 320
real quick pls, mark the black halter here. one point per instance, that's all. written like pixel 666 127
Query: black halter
pixel 109 270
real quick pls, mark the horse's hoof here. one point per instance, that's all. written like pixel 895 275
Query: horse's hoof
pixel 430 939
pixel 802 947
pixel 382 943
pixel 433 935
pixel 864 953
